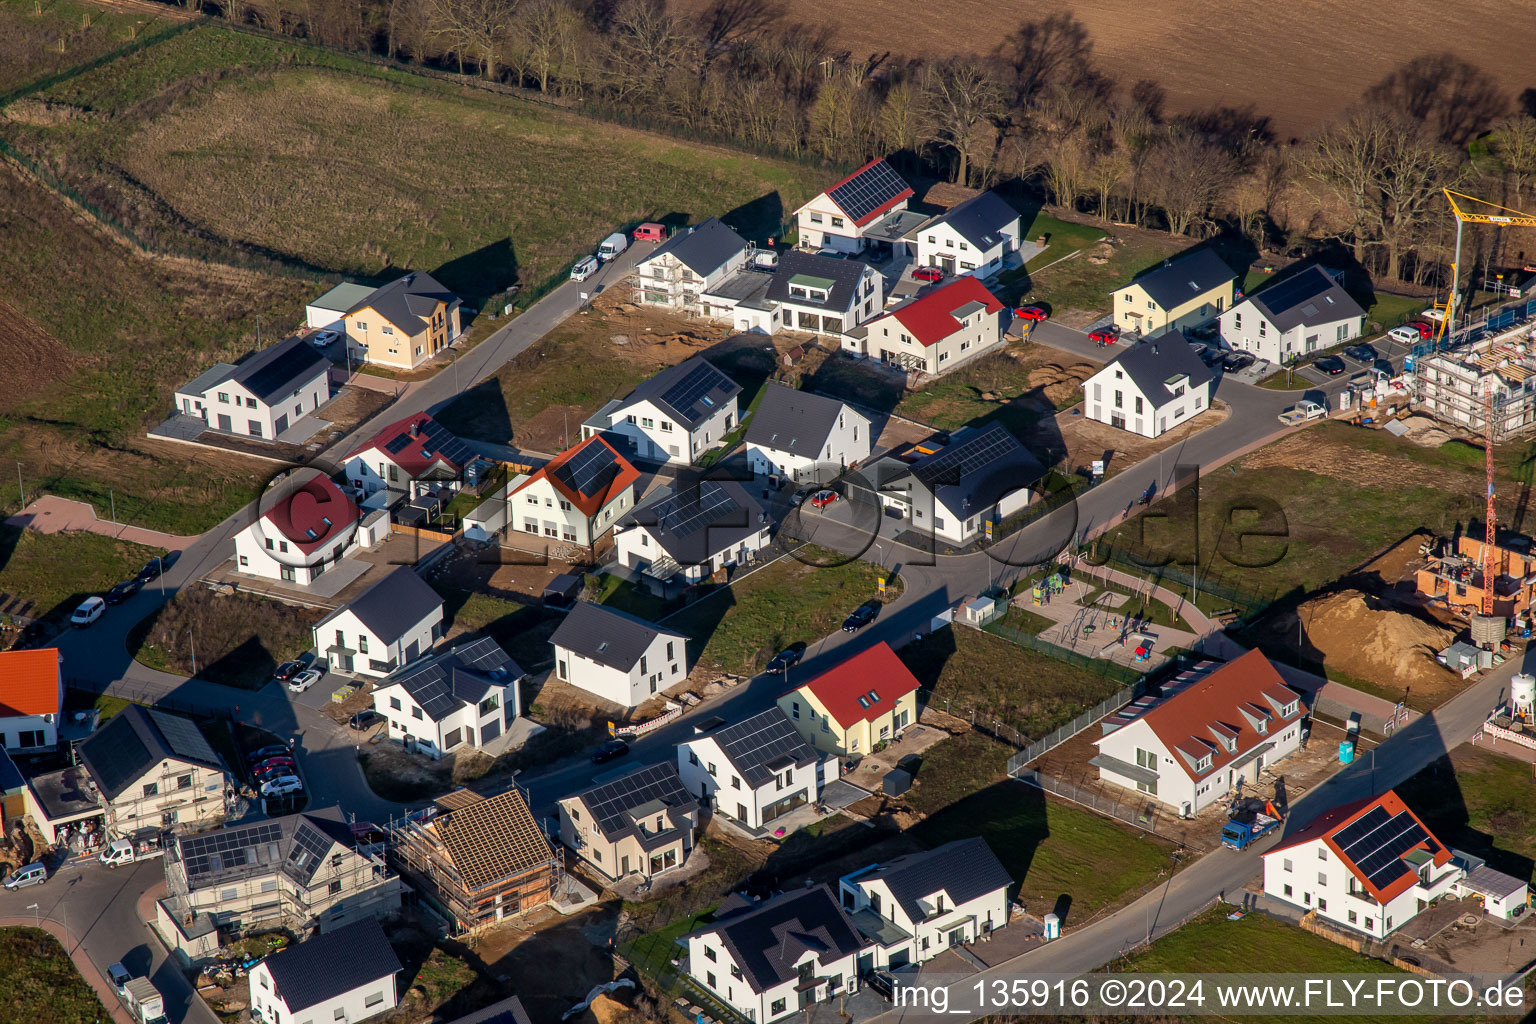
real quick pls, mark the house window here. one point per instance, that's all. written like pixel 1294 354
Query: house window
pixel 394 702
pixel 387 329
pixel 735 782
pixel 1138 405
pixel 815 218
pixel 794 710
pixel 151 788
pixel 453 738
pixel 1287 890
pixel 374 999
pixel 711 769
pixel 362 644
pixel 736 972
pixel 334 888
pixel 1352 917
pixel 776 1007
pixel 1119 399
pixel 709 954
pixel 1285 864
pixel 693 758
pixel 1322 879
pixel 1322 854
pixel 268 884
pixel 228 894
pixel 490 704
pixel 1322 904
pixel 416 713
pixel 182 781
pixel 1237 320
pixel 709 978
pixel 1262 326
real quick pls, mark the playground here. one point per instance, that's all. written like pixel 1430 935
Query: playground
pixel 1087 608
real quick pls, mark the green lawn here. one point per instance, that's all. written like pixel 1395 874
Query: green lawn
pixel 37 40
pixel 82 700
pixel 56 571
pixel 41 983
pixel 652 953
pixel 1390 310
pixel 522 630
pixel 1480 802
pixel 1076 283
pixel 618 592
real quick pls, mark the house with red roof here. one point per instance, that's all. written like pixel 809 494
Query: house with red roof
pixel 577 496
pixel 1370 865
pixel 31 699
pixel 1207 739
pixel 848 709
pixel 937 330
pixel 307 528
pixel 853 213
pixel 413 451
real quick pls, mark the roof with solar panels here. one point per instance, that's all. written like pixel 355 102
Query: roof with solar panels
pixel 1379 840
pixel 418 444
pixel 869 192
pixel 269 375
pixel 443 683
pixel 135 741
pixel 702 518
pixel 690 392
pixel 589 476
pixel 972 470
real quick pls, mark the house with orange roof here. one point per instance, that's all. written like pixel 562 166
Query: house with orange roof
pixel 307 527
pixel 853 706
pixel 31 700
pixel 577 496
pixel 1206 739
pixel 1370 865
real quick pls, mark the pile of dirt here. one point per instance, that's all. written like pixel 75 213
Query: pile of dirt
pixel 1424 431
pixel 1057 382
pixel 1362 638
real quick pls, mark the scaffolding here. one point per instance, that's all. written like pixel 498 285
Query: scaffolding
pixel 1455 386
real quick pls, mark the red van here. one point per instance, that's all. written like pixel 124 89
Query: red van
pixel 651 232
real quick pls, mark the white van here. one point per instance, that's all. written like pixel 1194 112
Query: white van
pixel 122 851
pixel 584 268
pixel 89 611
pixel 612 246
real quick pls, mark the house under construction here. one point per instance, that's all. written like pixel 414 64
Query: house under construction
pixel 1456 575
pixel 1454 386
pixel 476 860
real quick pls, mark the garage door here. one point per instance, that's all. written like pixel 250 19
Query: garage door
pixel 279 425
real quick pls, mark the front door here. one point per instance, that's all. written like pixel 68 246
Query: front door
pixel 948 263
pixel 280 424
pixel 225 424
pixel 623 865
pixel 344 662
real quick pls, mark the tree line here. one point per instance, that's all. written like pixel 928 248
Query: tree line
pixel 1038 110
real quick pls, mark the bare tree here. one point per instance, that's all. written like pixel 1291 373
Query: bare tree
pixel 472 29
pixel 1513 143
pixel 1256 194
pixel 1340 169
pixel 964 102
pixel 1068 169
pixel 1187 176
pixel 727 24
pixel 901 118
pixel 648 43
pixel 1457 99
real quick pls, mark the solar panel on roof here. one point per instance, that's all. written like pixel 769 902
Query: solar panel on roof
pixel 868 191
pixel 282 369
pixel 688 512
pixel 398 443
pixel 589 470
pixel 1346 837
pixel 696 383
pixel 961 460
pixel 183 737
pixel 1377 842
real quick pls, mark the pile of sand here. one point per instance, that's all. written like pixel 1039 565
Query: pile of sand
pixel 1361 638
pixel 1424 432
pixel 1058 382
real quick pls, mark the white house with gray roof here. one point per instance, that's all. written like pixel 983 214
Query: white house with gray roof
pixel 806 437
pixel 1151 387
pixel 974 237
pixel 754 771
pixel 617 656
pixel 349 974
pixel 464 697
pixel 680 270
pixel 642 823
pixel 1294 317
pixel 824 294
pixel 673 418
pixel 916 906
pixel 703 526
pixel 262 396
pixel 1185 291
pixel 389 625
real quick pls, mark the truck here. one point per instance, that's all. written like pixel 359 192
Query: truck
pixel 146 844
pixel 1303 411
pixel 1247 826
pixel 612 246
pixel 144 1001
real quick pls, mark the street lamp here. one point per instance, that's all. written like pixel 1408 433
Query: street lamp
pixel 192 643
pixel 37 916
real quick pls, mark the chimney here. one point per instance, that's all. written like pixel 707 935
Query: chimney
pixel 415 429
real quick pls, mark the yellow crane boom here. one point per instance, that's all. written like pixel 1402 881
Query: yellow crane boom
pixel 1483 212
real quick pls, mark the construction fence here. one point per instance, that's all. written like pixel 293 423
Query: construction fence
pixel 1054 739
pixel 1142 816
pixel 1098 666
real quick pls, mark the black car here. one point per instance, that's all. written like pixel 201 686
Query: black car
pixel 883 983
pixel 258 756
pixel 610 750
pixel 1331 365
pixel 1234 361
pixel 123 591
pixel 153 568
pixel 862 616
pixel 364 718
pixel 786 659
pixel 287 670
pixel 1361 354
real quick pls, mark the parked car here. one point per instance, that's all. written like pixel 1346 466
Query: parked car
pixel 123 591
pixel 823 498
pixel 1211 356
pixel 1105 335
pixel 304 680
pixel 1031 313
pixel 1361 354
pixel 612 246
pixel 266 753
pixel 283 785
pixel 272 772
pixel 1331 365
pixel 89 611
pixel 610 750
pixel 322 339
pixel 584 268
pixel 281 761
pixel 287 670
pixel 1406 335
pixel 1232 362
pixel 651 232
pixel 1433 313
pixel 154 567
pixel 928 274
pixel 33 874
pixel 118 975
pixel 786 659
pixel 883 983
pixel 364 718
pixel 1425 329
pixel 862 616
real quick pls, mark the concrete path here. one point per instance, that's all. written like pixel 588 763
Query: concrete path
pixel 51 514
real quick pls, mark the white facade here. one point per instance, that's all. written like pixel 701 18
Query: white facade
pixel 847 444
pixel 707 772
pixel 940 245
pixel 664 280
pixel 472 724
pixel 813 316
pixel 656 435
pixel 261 550
pixel 360 1003
pixel 24 734
pixel 637 546
pixel 890 341
pixel 540 509
pixel 231 408
pixel 664 664
pixel 1112 396
pixel 375 656
pixel 945 923
pixel 1245 328
pixel 714 969
pixel 1311 876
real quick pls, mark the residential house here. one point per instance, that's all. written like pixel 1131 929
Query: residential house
pixel 675 417
pixel 1294 317
pixel 31 700
pixel 741 299
pixel 770 960
pixel 1502 896
pixel 1151 387
pixel 705 526
pixel 914 907
pixel 466 695
pixel 680 270
pixel 1371 866
pixel 847 216
pixel 936 331
pixel 974 237
pixel 857 704
pixel 641 823
pixel 262 396
pixel 1186 291
pixel 1205 738
pixel 959 490
pixel 349 974
pixel 476 860
pixel 154 769
pixel 617 656
pixel 410 455
pixel 577 496
pixel 404 323
pixel 805 437
pixel 824 294
pixel 327 312
pixel 389 625
pixel 754 771
pixel 298 871
pixel 308 528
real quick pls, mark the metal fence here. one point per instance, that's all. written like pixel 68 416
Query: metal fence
pixel 1099 666
pixel 1140 816
pixel 1247 603
pixel 153 696
pixel 1052 740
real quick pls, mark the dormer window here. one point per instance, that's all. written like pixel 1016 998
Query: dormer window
pixel 1231 745
pixel 1203 764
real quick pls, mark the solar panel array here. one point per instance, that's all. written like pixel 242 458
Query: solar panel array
pixel 231 847
pixel 436 441
pixel 694 388
pixel 689 511
pixel 432 683
pixel 959 461
pixel 865 193
pixel 483 654
pixel 183 737
pixel 115 754
pixel 760 742
pixel 1282 296
pixel 1376 844
pixel 611 803
pixel 308 841
pixel 590 470
pixel 297 359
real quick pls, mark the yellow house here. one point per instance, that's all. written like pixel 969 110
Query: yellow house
pixel 852 707
pixel 1187 291
pixel 404 323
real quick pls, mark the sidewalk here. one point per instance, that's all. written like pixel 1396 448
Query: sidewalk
pixel 88 970
pixel 50 514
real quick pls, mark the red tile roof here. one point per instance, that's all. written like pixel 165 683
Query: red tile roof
pixel 590 504
pixel 29 682
pixel 906 193
pixel 412 457
pixel 1191 720
pixel 874 670
pixel 930 317
pixel 1332 822
pixel 307 508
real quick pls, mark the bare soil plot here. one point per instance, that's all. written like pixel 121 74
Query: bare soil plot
pixel 238 639
pixel 1079 440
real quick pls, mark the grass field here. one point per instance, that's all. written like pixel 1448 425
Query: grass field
pixel 37 42
pixel 55 571
pixel 238 639
pixel 1479 802
pixel 41 983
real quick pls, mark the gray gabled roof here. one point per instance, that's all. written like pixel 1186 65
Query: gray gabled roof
pixel 979 220
pixel 700 519
pixel 1152 362
pixel 136 740
pixel 443 683
pixel 408 301
pixel 332 963
pixel 391 606
pixel 767 939
pixel 703 248
pixel 276 372
pixel 656 786
pixel 690 392
pixel 1185 277
pixel 965 869
pixel 762 746
pixel 843 278
pixel 1309 297
pixel 976 469
pixel 206 381
pixel 343 297
pixel 793 421
pixel 606 635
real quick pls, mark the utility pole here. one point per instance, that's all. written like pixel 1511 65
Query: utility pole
pixel 112 497
pixel 258 330
pixel 192 643
pixel 20 490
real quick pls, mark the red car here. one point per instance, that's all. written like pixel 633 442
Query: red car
pixel 821 499
pixel 1031 313
pixel 1424 329
pixel 928 274
pixel 1105 335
